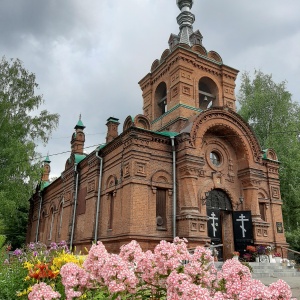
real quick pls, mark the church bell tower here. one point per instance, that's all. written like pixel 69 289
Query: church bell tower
pixel 187 78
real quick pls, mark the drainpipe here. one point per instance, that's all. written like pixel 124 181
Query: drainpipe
pixel 75 204
pixel 98 197
pixel 174 187
pixel 39 217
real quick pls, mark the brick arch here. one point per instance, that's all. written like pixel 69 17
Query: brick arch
pixel 161 178
pixel 231 126
pixel 142 122
pixel 214 88
pixel 111 181
pixel 161 91
pixel 164 55
pixel 53 205
pixel 215 56
pixel 208 186
pixel 263 194
pixel 271 154
pixel 128 123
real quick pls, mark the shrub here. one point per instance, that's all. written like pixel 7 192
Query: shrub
pixel 169 272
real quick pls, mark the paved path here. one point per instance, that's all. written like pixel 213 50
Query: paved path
pixel 293 282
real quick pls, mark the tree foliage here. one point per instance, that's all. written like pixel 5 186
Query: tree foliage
pixel 22 126
pixel 275 118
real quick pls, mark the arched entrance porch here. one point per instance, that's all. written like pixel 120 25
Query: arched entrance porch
pixel 226 227
pixel 220 222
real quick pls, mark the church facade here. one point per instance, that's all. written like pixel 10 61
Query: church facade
pixel 189 166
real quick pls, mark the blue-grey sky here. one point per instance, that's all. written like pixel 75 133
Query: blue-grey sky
pixel 88 56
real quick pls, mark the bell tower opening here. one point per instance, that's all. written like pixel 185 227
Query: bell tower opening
pixel 208 92
pixel 160 100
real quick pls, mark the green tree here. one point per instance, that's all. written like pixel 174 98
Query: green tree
pixel 22 126
pixel 275 118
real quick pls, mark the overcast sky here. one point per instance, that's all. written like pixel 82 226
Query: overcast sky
pixel 88 55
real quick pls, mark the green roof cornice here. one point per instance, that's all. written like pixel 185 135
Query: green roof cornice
pixel 79 158
pixel 174 108
pixel 112 119
pixel 44 184
pixel 167 133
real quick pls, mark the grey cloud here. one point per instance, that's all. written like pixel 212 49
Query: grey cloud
pixel 88 55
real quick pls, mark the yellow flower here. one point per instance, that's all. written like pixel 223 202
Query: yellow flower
pixel 24 292
pixel 64 258
pixel 27 265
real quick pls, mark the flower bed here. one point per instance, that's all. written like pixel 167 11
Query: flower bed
pixel 169 272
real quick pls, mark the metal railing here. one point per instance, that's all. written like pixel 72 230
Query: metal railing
pixel 288 250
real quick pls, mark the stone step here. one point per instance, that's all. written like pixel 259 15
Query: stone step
pixel 264 270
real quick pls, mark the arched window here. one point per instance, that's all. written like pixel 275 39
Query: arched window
pixel 111 210
pixel 262 210
pixel 60 218
pixel 161 208
pixel 207 93
pixel 160 100
pixel 51 223
pixel 42 226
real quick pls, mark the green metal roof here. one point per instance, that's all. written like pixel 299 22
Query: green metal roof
pixel 265 151
pixel 79 124
pixel 47 159
pixel 265 154
pixel 44 184
pixel 100 147
pixel 79 158
pixel 174 108
pixel 167 133
pixel 112 119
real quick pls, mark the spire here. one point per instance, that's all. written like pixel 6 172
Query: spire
pixel 79 124
pixel 47 159
pixel 78 138
pixel 185 21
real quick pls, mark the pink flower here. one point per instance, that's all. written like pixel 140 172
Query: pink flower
pixel 74 277
pixel 280 290
pixel 96 260
pixel 132 253
pixel 118 276
pixel 180 287
pixel 42 291
pixel 201 267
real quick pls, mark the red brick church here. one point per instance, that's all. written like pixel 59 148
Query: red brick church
pixel 189 166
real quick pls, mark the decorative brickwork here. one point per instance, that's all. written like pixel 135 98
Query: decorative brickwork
pixel 189 160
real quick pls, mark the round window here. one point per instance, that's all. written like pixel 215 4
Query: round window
pixel 215 158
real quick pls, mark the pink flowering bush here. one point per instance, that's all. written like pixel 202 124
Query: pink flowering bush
pixel 43 291
pixel 169 272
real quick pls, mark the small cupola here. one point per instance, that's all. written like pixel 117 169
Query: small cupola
pixel 46 169
pixel 78 138
pixel 112 129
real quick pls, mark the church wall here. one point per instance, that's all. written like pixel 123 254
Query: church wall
pixel 217 155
